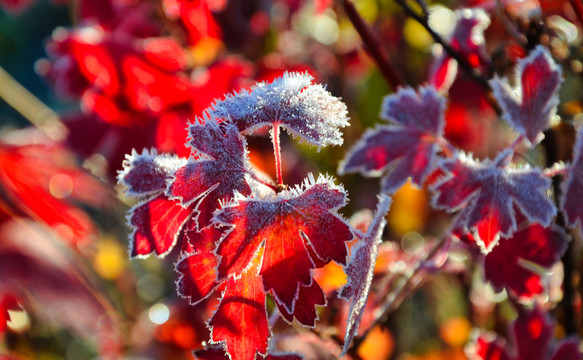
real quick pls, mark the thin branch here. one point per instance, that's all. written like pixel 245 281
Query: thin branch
pixel 373 45
pixel 465 65
pixel 508 26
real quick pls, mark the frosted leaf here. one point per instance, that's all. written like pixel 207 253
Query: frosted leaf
pixel 305 311
pixel 360 270
pixel 285 225
pixel 489 192
pixel 304 109
pixel 147 173
pixel 529 106
pixel 216 174
pixel 572 187
pixel 405 150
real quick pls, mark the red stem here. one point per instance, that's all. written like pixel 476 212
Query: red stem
pixel 277 152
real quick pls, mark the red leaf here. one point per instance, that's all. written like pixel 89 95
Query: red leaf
pixel 7 302
pixel 285 223
pixel 505 265
pixel 156 225
pixel 241 319
pixel 532 334
pixel 304 109
pixel 148 172
pixel 213 353
pixel 360 270
pixel 198 270
pixel 404 150
pixel 529 107
pixel 218 172
pixel 572 187
pixel 488 193
pixel 305 310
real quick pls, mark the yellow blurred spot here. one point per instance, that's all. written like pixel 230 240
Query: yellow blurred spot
pixel 61 186
pixel 409 211
pixel 416 35
pixel 331 277
pixel 205 51
pixel 378 345
pixel 110 259
pixel 455 331
pixel 368 9
pixel 19 320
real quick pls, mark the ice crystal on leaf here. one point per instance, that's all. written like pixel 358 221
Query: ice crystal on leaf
pixel 404 150
pixel 532 333
pixel 509 264
pixel 529 106
pixel 304 109
pixel 216 174
pixel 299 228
pixel 156 221
pixel 489 194
pixel 360 270
pixel 572 187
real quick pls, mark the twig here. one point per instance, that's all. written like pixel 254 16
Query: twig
pixel 465 65
pixel 508 26
pixel 374 46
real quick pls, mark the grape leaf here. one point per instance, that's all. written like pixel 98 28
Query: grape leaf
pixel 304 109
pixel 285 224
pixel 489 193
pixel 219 170
pixel 241 319
pixel 214 353
pixel 572 187
pixel 532 334
pixel 506 266
pixel 529 106
pixel 404 150
pixel 360 270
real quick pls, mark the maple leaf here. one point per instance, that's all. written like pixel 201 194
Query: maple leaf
pixel 532 334
pixel 507 265
pixel 405 150
pixel 286 224
pixel 360 270
pixel 304 109
pixel 572 187
pixel 529 107
pixel 240 321
pixel 156 221
pixel 219 170
pixel 489 193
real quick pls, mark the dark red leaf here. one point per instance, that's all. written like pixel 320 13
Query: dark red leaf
pixel 572 187
pixel 505 265
pixel 405 150
pixel 489 193
pixel 305 310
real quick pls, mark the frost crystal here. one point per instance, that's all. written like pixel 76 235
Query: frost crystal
pixel 306 110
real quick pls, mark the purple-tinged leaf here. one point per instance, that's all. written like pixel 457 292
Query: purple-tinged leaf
pixel 304 109
pixel 572 187
pixel 530 105
pixel 489 192
pixel 147 173
pixel 507 265
pixel 219 171
pixel 360 270
pixel 405 150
